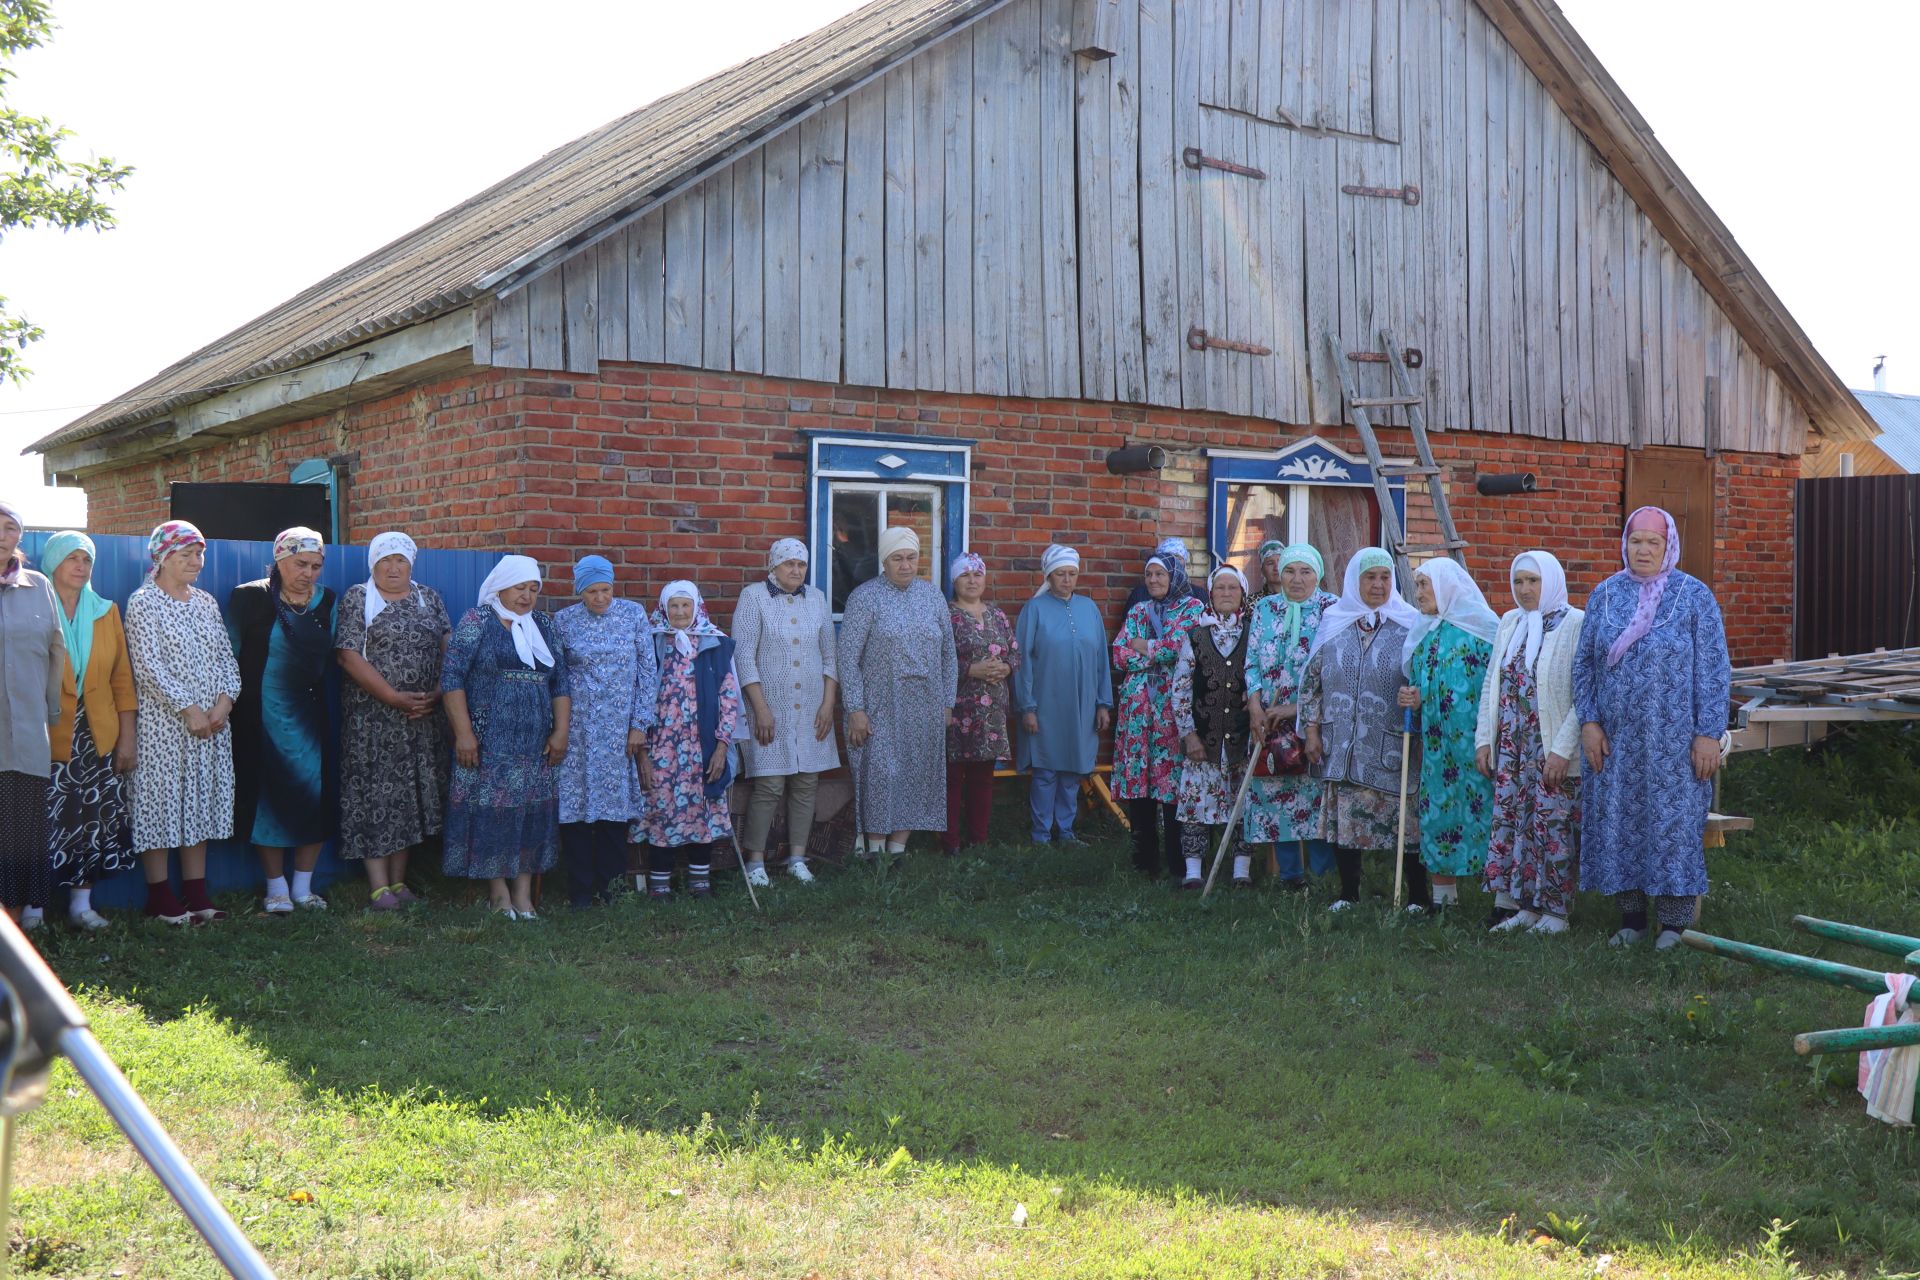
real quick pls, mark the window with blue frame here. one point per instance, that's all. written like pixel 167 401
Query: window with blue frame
pixel 1309 491
pixel 860 486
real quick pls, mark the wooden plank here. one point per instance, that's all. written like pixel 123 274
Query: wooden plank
pixel 1243 55
pixel 646 289
pixel 1607 374
pixel 1415 236
pixel 483 331
pixel 900 234
pixel 1216 193
pixel 580 300
pixel 961 217
pixel 1565 199
pixel 1318 180
pixel 1246 282
pixel 1123 158
pixel 863 296
pixel 1100 27
pixel 1388 20
pixel 993 264
pixel 1285 233
pixel 1690 381
pixel 823 193
pixel 1294 17
pixel 780 260
pixel 1359 61
pixel 546 322
pixel 716 304
pixel 1057 241
pixel 686 232
pixel 1452 313
pixel 1190 206
pixel 1330 104
pixel 510 332
pixel 1671 271
pixel 1633 391
pixel 749 263
pixel 1484 407
pixel 1543 263
pixel 1162 347
pixel 932 123
pixel 610 262
pixel 1523 214
pixel 1504 267
pixel 1353 263
pixel 1098 322
pixel 1023 177
pixel 1652 348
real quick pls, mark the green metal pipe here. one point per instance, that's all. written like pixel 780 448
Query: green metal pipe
pixel 1839 975
pixel 1854 1039
pixel 1893 944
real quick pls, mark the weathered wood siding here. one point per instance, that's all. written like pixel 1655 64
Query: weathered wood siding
pixel 1004 215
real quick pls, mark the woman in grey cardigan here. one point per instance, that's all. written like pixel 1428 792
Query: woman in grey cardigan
pixel 34 657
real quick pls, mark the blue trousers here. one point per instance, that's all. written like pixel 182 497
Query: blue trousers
pixel 1054 798
pixel 1319 857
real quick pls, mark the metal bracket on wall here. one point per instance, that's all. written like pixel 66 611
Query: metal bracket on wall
pixel 1411 357
pixel 1200 340
pixel 1194 158
pixel 1408 194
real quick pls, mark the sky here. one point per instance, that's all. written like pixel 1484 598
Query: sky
pixel 275 143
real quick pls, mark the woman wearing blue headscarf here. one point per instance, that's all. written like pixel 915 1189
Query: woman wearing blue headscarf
pixel 1284 809
pixel 1146 744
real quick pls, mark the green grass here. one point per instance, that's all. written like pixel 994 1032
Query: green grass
pixel 868 1077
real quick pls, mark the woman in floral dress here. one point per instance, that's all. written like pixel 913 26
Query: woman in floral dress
pixel 977 731
pixel 699 716
pixel 1146 745
pixel 1528 742
pixel 1285 811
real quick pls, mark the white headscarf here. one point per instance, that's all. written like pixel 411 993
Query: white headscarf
pixel 1349 610
pixel 1459 601
pixel 1057 557
pixel 382 546
pixel 1533 622
pixel 684 642
pixel 1212 619
pixel 897 537
pixel 527 640
pixel 784 550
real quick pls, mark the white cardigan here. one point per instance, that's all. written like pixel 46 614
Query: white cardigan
pixel 1553 675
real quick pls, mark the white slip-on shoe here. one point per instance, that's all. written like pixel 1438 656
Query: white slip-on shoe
pixel 757 875
pixel 279 904
pixel 1626 937
pixel 88 919
pixel 798 869
pixel 312 902
pixel 1518 920
pixel 1549 924
pixel 1668 939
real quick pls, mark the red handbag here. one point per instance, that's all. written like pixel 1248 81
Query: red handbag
pixel 1280 756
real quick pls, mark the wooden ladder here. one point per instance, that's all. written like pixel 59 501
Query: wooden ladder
pixel 1404 397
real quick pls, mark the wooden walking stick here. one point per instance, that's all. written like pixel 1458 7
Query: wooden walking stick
pixel 744 875
pixel 1233 816
pixel 1400 842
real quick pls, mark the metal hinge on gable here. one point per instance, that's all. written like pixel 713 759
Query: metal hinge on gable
pixel 1408 194
pixel 1200 340
pixel 1195 158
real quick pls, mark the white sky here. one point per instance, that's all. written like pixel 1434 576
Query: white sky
pixel 276 143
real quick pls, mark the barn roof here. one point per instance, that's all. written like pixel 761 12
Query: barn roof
pixel 570 196
pixel 1898 417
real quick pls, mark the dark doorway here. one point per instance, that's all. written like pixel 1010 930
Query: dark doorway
pixel 251 512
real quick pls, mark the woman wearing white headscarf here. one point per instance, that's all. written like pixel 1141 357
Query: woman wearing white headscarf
pixel 1527 740
pixel 789 674
pixel 1062 692
pixel 697 718
pixel 1351 720
pixel 510 703
pixel 1446 663
pixel 391 640
pixel 898 679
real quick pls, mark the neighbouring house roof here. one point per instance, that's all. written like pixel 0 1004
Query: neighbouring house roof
pixel 1898 418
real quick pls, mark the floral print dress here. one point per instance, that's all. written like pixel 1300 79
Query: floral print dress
pixel 1456 799
pixel 678 810
pixel 1285 808
pixel 1146 745
pixel 1530 856
pixel 978 728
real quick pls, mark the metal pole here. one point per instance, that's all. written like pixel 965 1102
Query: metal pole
pixel 203 1209
pixel 6 1195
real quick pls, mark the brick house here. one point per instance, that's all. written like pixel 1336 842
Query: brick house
pixel 933 262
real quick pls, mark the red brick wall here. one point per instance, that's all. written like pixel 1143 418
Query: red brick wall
pixel 674 473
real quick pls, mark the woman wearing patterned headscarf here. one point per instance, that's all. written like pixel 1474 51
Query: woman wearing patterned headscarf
pixel 1209 702
pixel 1272 571
pixel 32 665
pixel 281 628
pixel 1168 550
pixel 1146 744
pixel 790 677
pixel 184 670
pixel 1284 809
pixel 1062 692
pixel 614 680
pixel 391 640
pixel 87 816
pixel 1651 684
pixel 509 701
pixel 988 654
pixel 699 716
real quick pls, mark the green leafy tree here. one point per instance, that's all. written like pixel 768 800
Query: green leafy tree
pixel 38 185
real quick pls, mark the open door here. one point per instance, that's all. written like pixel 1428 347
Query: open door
pixel 1681 480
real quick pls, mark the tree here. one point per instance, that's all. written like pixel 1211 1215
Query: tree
pixel 38 185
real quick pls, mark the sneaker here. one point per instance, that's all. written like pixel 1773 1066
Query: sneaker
pixel 529 915
pixel 278 904
pixel 385 900
pixel 1668 939
pixel 88 919
pixel 505 913
pixel 1517 921
pixel 1415 909
pixel 1550 924
pixel 1626 937
pixel 207 915
pixel 407 896
pixel 661 892
pixel 1340 904
pixel 798 869
pixel 757 876
pixel 314 902
pixel 701 888
pixel 30 924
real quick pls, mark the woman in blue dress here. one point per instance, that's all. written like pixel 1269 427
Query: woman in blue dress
pixel 1062 692
pixel 510 704
pixel 281 628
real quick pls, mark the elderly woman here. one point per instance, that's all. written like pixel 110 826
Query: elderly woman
pixel 89 825
pixel 988 654
pixel 1169 551
pixel 281 629
pixel 1062 692
pixel 613 680
pixel 1284 809
pixel 1272 572
pixel 789 675
pixel 1209 700
pixel 1527 741
pixel 509 701
pixel 184 670
pixel 34 656
pixel 1446 664
pixel 391 640
pixel 699 717
pixel 1352 722
pixel 1650 684
pixel 1146 744
pixel 899 676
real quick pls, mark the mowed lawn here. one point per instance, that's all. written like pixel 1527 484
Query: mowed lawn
pixel 878 1075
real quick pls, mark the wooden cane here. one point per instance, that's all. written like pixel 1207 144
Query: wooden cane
pixel 1233 816
pixel 744 874
pixel 1400 842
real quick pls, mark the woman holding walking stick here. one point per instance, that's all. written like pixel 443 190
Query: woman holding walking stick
pixel 1209 700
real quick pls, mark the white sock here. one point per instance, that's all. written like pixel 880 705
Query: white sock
pixel 796 857
pixel 80 900
pixel 32 915
pixel 1242 866
pixel 302 885
pixel 896 849
pixel 1505 902
pixel 1193 868
pixel 1445 893
pixel 277 887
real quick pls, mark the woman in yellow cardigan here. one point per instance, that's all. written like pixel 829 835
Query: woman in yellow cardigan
pixel 93 743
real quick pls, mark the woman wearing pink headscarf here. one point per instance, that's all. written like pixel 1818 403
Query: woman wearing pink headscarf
pixel 1650 685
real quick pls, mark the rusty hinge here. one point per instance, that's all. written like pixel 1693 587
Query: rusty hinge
pixel 1194 158
pixel 1200 340
pixel 1410 194
pixel 1411 357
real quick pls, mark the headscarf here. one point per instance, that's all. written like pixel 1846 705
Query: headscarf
pixel 1459 600
pixel 298 540
pixel 1298 553
pixel 1057 556
pixel 1652 587
pixel 1177 583
pixel 383 545
pixel 1350 610
pixel 591 571
pixel 1533 622
pixel 965 562
pixel 168 537
pixel 784 550
pixel 10 574
pixel 310 636
pixel 685 643
pixel 89 609
pixel 1172 549
pixel 1268 550
pixel 527 640
pixel 897 537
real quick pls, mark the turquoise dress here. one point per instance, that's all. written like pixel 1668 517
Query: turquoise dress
pixel 1281 810
pixel 283 765
pixel 1456 799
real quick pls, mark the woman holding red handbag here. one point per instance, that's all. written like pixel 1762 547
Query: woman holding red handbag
pixel 1283 805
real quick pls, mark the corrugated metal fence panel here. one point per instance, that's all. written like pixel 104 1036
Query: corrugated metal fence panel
pixel 119 571
pixel 1856 565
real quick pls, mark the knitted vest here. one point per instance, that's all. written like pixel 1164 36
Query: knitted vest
pixel 1220 694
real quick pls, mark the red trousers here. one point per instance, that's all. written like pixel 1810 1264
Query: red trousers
pixel 969 794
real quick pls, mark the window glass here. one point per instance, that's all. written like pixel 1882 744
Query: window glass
pixel 1256 513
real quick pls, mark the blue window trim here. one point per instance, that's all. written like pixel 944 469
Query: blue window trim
pixel 1311 462
pixel 881 459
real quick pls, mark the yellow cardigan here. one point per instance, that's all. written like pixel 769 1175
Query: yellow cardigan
pixel 109 689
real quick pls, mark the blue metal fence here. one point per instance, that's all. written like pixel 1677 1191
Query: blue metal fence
pixel 119 571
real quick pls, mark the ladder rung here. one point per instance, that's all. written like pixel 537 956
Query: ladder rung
pixel 1415 471
pixel 1451 544
pixel 1385 402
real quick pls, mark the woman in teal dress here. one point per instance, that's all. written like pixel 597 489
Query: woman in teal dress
pixel 1446 663
pixel 1285 811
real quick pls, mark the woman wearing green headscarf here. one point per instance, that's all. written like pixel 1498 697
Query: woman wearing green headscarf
pixel 1285 810
pixel 88 823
